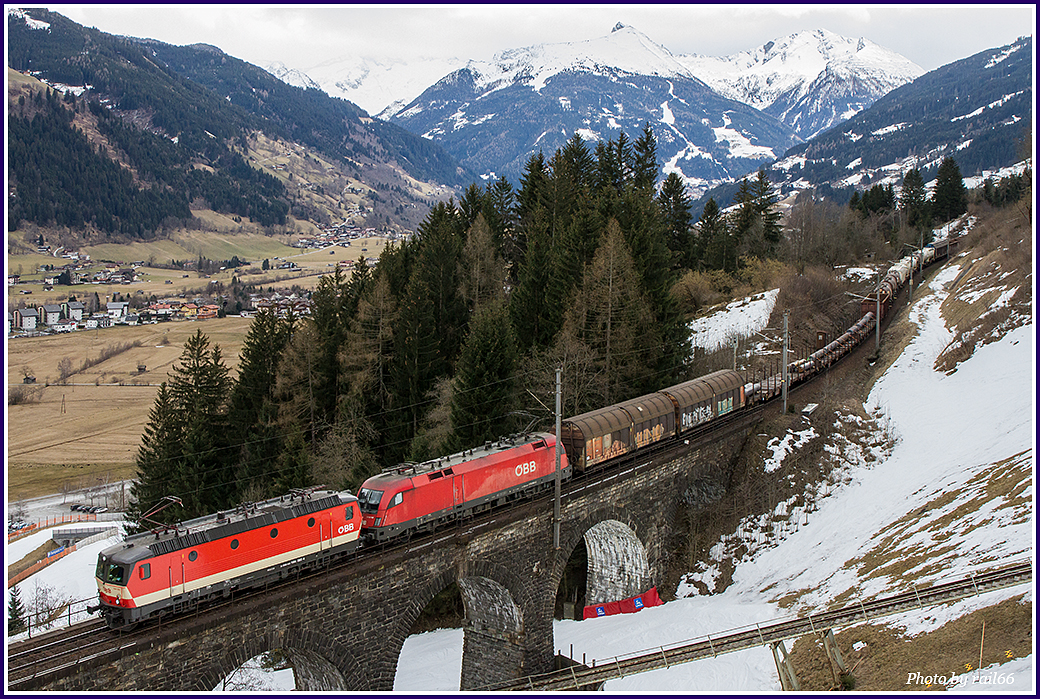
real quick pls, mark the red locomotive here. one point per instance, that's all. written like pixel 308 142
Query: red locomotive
pixel 413 498
pixel 167 571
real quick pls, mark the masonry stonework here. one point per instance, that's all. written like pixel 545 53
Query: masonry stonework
pixel 344 629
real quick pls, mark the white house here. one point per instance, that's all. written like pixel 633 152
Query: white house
pixel 117 309
pixel 73 310
pixel 26 318
pixel 51 314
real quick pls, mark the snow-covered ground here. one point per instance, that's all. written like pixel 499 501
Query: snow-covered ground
pixel 739 319
pixel 955 432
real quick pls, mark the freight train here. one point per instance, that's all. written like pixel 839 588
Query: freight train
pixel 165 571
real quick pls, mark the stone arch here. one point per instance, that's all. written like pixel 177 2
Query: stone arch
pixel 618 565
pixel 319 664
pixel 618 562
pixel 494 636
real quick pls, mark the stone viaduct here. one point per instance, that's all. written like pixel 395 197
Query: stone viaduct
pixel 344 629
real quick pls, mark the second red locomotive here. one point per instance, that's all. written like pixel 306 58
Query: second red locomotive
pixel 413 498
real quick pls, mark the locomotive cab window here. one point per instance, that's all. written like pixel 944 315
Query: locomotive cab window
pixel 368 500
pixel 348 514
pixel 144 571
pixel 114 574
pixel 397 500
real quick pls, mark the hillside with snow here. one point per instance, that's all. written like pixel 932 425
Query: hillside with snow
pixel 935 482
pixel 977 111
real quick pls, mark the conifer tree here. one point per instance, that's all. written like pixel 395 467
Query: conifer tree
pixel 765 205
pixel 252 411
pixel 611 316
pixel 676 218
pixel 715 238
pixel 481 270
pixel 913 200
pixel 645 167
pixel 159 459
pixel 15 612
pixel 199 388
pixel 483 392
pixel 950 196
pixel 367 356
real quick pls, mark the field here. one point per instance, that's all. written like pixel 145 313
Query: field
pixel 90 427
pixel 174 282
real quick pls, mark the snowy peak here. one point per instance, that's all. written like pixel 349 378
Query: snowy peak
pixel 624 50
pixel 810 80
pixel 291 76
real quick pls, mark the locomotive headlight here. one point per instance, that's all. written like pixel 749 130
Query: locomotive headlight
pixel 378 520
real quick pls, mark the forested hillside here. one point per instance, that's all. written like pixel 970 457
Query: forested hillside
pixel 173 144
pixel 427 352
pixel 333 126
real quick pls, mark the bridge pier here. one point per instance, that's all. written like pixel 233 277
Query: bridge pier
pixel 830 646
pixel 788 680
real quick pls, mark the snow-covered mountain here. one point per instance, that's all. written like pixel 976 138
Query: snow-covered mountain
pixel 811 80
pixel 976 110
pixel 380 87
pixel 495 115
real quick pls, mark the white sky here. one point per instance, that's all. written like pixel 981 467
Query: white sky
pixel 304 36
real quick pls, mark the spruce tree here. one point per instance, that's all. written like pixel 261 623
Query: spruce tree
pixel 15 612
pixel 913 200
pixel 199 388
pixel 159 460
pixel 483 394
pixel 765 205
pixel 676 218
pixel 950 196
pixel 252 410
pixel 645 167
pixel 714 238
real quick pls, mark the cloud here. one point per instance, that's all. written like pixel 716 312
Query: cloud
pixel 302 36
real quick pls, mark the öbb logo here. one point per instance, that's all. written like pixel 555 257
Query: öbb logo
pixel 348 527
pixel 525 468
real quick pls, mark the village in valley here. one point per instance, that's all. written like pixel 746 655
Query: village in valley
pixel 84 308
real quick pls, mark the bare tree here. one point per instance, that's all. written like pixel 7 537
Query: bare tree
pixel 65 370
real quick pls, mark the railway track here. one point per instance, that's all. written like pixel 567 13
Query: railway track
pixel 52 651
pixel 661 658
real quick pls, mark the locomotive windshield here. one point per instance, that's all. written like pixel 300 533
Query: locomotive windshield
pixel 368 500
pixel 111 573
